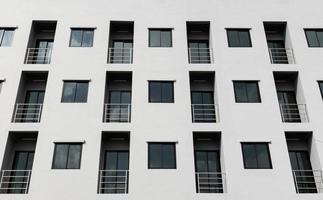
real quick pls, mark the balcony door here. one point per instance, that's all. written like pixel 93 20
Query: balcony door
pixel 203 109
pixel 278 51
pixel 33 104
pixel 121 51
pixel 289 107
pixel 119 106
pixel 43 51
pixel 199 51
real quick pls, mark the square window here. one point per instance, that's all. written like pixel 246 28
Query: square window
pixel 321 87
pixel 239 37
pixel 161 155
pixel 160 38
pixel 67 156
pixel 161 91
pixel 82 37
pixel 246 91
pixel 75 91
pixel 6 36
pixel 256 155
pixel 314 37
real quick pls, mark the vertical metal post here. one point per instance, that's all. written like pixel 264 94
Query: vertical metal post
pixel 27 183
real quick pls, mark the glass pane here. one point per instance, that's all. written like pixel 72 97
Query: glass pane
pixel 154 38
pixel 240 92
pixel 249 156
pixel 7 38
pixel 197 98
pixel 312 38
pixel 30 161
pixel 166 38
pixel 263 156
pixel 207 97
pixel 76 38
pixel 201 161
pixel 60 156
pixel 125 97
pixel 169 156
pixel 88 38
pixel 155 156
pixel 69 91
pixel 244 38
pixel 1 35
pixel 155 92
pixel 81 92
pixel 320 37
pixel 233 38
pixel 111 160
pixel 123 158
pixel 321 88
pixel 74 156
pixel 167 92
pixel 252 92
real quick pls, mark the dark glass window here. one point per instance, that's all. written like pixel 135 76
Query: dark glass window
pixel 321 87
pixel 82 37
pixel 256 156
pixel 239 38
pixel 67 156
pixel 6 36
pixel 160 38
pixel 314 37
pixel 161 91
pixel 75 91
pixel 161 155
pixel 246 91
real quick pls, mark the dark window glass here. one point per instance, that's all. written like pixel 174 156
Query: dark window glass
pixel 82 38
pixel 67 156
pixel 161 156
pixel 75 92
pixel 239 38
pixel 246 92
pixel 161 91
pixel 321 87
pixel 6 36
pixel 256 156
pixel 314 37
pixel 160 37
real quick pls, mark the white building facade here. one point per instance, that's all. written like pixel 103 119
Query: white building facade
pixel 129 100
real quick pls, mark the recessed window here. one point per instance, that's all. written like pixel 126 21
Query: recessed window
pixel 82 37
pixel 161 155
pixel 239 37
pixel 160 37
pixel 314 37
pixel 75 91
pixel 246 91
pixel 1 82
pixel 161 91
pixel 6 36
pixel 67 156
pixel 321 87
pixel 256 155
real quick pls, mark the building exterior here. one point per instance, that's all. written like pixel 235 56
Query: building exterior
pixel 129 100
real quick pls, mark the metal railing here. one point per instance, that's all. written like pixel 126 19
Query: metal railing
pixel 113 181
pixel 205 113
pixel 281 56
pixel 294 113
pixel 25 113
pixel 120 55
pixel 38 55
pixel 15 181
pixel 210 182
pixel 200 55
pixel 117 112
pixel 308 181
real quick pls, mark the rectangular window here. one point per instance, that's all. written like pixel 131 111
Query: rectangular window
pixel 6 36
pixel 239 37
pixel 314 37
pixel 82 37
pixel 161 155
pixel 161 91
pixel 256 155
pixel 321 87
pixel 67 156
pixel 160 37
pixel 246 91
pixel 75 91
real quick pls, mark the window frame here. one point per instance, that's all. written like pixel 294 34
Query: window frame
pixel 248 81
pixel 67 156
pixel 75 81
pixel 268 155
pixel 154 81
pixel 318 41
pixel 162 167
pixel 82 30
pixel 238 30
pixel 160 38
pixel 4 29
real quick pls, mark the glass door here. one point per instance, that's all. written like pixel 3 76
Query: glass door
pixel 289 107
pixel 278 51
pixel 203 109
pixel 199 51
pixel 33 105
pixel 119 106
pixel 121 51
pixel 43 51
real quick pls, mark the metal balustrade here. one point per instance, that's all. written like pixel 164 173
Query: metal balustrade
pixel 117 112
pixel 113 181
pixel 294 113
pixel 210 182
pixel 200 55
pixel 25 113
pixel 308 181
pixel 15 181
pixel 38 56
pixel 205 113
pixel 281 56
pixel 120 55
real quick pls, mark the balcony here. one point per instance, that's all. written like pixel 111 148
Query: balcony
pixel 294 113
pixel 27 113
pixel 308 181
pixel 120 55
pixel 113 181
pixel 200 55
pixel 210 182
pixel 281 55
pixel 204 113
pixel 15 181
pixel 117 112
pixel 38 55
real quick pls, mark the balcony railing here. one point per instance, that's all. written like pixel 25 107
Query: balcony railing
pixel 207 113
pixel 117 112
pixel 25 113
pixel 308 181
pixel 113 181
pixel 210 182
pixel 281 56
pixel 120 55
pixel 294 113
pixel 38 56
pixel 200 55
pixel 15 181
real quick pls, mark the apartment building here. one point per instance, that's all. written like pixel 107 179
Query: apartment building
pixel 129 100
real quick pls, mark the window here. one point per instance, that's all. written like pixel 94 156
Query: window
pixel 321 87
pixel 67 156
pixel 246 91
pixel 314 37
pixel 1 82
pixel 75 91
pixel 6 36
pixel 160 38
pixel 161 155
pixel 161 91
pixel 82 37
pixel 256 155
pixel 239 38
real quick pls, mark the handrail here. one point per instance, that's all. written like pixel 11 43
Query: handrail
pixel 38 55
pixel 114 112
pixel 113 181
pixel 205 113
pixel 120 55
pixel 25 112
pixel 210 182
pixel 281 55
pixel 15 181
pixel 308 181
pixel 200 55
pixel 294 112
